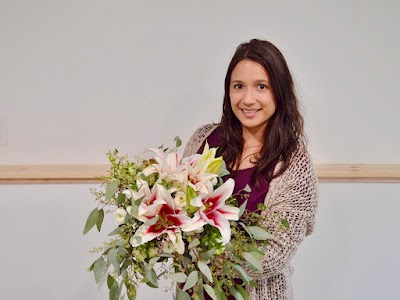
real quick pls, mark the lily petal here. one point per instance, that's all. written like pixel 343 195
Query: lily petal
pixel 218 220
pixel 175 237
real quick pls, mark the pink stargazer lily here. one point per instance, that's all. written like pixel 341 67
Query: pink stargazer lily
pixel 160 205
pixel 213 211
pixel 168 166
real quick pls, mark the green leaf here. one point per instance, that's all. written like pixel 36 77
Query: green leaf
pixel 99 269
pixel 208 254
pixel 112 256
pixel 245 228
pixel 242 273
pixel 178 277
pixel 152 262
pixel 90 269
pixel 194 243
pixel 116 231
pixel 226 269
pixel 191 280
pixel 110 281
pixel 152 280
pixel 247 189
pixel 123 253
pixel 182 295
pixel 223 170
pixel 190 194
pixel 178 142
pixel 242 208
pixel 252 259
pixel 205 270
pixel 111 189
pixel 285 223
pixel 218 291
pixel 121 198
pixel 100 219
pixel 260 234
pixel 91 220
pixel 243 292
pixel 115 291
pixel 235 293
pixel 152 221
pixel 210 291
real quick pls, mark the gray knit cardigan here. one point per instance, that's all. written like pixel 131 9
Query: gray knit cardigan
pixel 294 196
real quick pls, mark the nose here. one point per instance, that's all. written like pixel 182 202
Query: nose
pixel 248 98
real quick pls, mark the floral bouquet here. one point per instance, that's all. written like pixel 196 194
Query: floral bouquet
pixel 177 219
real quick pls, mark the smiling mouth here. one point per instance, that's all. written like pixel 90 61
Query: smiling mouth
pixel 250 112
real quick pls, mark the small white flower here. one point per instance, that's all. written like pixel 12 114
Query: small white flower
pixel 127 193
pixel 120 214
pixel 180 199
pixel 168 248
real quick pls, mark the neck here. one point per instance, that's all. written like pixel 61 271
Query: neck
pixel 253 137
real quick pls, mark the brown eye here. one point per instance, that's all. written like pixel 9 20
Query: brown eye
pixel 238 86
pixel 262 86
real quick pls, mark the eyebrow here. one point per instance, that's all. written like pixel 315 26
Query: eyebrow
pixel 257 81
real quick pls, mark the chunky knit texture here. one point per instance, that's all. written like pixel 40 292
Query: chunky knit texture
pixel 294 197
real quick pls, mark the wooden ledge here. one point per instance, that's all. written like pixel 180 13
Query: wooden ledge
pixel 31 174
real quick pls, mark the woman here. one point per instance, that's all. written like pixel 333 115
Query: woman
pixel 261 139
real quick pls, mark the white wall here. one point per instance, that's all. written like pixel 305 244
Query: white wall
pixel 80 77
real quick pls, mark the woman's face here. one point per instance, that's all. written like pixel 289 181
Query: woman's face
pixel 252 99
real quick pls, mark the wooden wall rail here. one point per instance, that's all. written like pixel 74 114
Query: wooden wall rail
pixel 30 174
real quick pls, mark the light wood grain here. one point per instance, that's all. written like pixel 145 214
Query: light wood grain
pixel 28 174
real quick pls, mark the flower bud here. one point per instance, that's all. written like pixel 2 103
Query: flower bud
pixel 120 214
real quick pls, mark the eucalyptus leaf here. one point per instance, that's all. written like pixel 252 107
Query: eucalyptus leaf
pixel 194 243
pixel 121 198
pixel 226 269
pixel 152 262
pixel 242 273
pixel 253 260
pixel 260 234
pixel 99 269
pixel 178 277
pixel 245 228
pixel 191 280
pixel 110 281
pixel 152 280
pixel 178 141
pixel 91 220
pixel 112 256
pixel 182 295
pixel 247 189
pixel 223 171
pixel 208 254
pixel 218 290
pixel 210 291
pixel 235 293
pixel 242 208
pixel 111 189
pixel 115 291
pixel 243 292
pixel 152 221
pixel 123 253
pixel 205 270
pixel 116 231
pixel 100 219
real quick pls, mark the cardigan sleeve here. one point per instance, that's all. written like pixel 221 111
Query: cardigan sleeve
pixel 197 139
pixel 292 196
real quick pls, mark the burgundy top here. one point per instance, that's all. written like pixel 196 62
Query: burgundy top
pixel 242 178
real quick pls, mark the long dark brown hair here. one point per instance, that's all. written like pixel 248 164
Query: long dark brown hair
pixel 284 133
